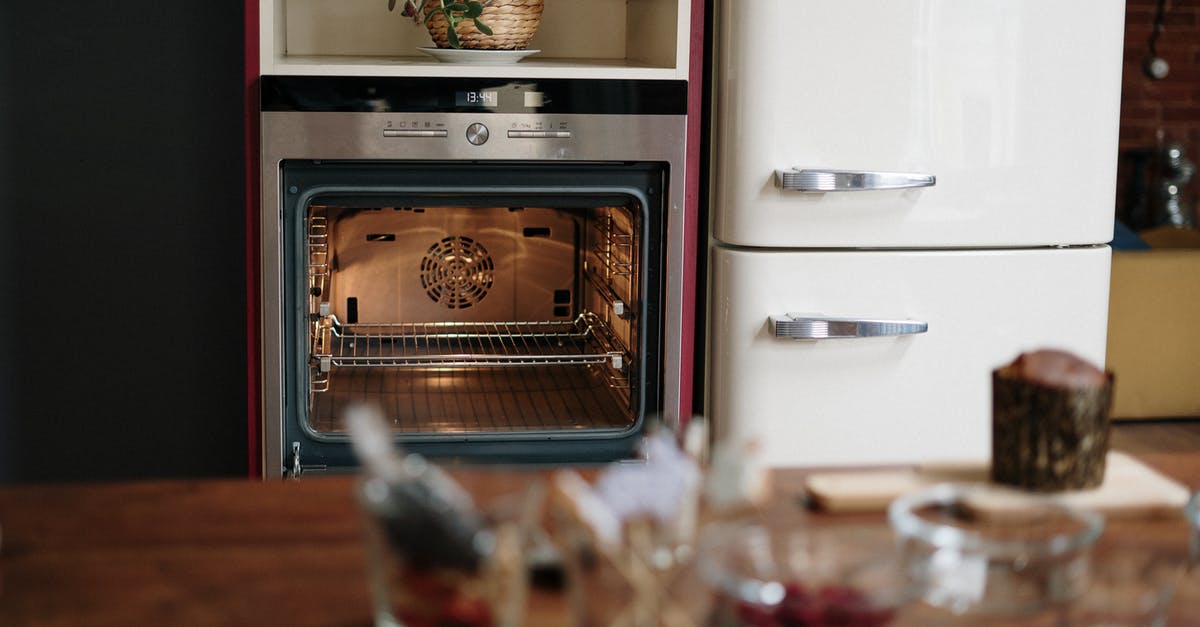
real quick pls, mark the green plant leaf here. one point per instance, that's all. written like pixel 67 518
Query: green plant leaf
pixel 483 28
pixel 457 7
pixel 453 37
pixel 474 9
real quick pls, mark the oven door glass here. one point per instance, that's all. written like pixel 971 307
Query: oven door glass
pixel 511 316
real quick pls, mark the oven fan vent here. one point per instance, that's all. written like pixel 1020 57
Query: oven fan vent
pixel 457 272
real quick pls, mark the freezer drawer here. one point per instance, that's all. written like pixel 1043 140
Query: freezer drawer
pixel 1010 106
pixel 913 396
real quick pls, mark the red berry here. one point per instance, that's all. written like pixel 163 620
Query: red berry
pixel 827 606
pixel 802 611
pixel 466 612
pixel 844 596
pixel 749 615
pixel 794 590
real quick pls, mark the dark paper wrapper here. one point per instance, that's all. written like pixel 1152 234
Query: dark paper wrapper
pixel 1047 438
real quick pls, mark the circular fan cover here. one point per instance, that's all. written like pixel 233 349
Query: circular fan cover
pixel 457 272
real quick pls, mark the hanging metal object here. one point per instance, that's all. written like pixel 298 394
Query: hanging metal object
pixel 1155 66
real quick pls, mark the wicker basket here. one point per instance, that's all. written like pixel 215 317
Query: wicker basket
pixel 513 23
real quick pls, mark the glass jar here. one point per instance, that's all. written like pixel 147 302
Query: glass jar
pixel 461 568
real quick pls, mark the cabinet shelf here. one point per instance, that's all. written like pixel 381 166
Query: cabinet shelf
pixel 539 67
pixel 603 39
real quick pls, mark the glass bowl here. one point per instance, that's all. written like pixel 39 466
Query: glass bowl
pixel 1131 585
pixel 801 574
pixel 980 550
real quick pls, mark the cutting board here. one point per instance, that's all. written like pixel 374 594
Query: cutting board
pixel 1130 488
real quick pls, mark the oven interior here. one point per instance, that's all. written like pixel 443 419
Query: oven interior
pixel 481 312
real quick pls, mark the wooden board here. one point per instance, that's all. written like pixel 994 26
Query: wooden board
pixel 1130 488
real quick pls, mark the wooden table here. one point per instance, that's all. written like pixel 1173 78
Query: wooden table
pixel 239 552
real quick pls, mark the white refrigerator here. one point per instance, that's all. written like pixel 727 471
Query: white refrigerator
pixel 906 194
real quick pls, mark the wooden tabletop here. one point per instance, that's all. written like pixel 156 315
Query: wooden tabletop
pixel 240 552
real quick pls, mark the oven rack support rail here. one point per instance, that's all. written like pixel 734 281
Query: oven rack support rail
pixel 613 247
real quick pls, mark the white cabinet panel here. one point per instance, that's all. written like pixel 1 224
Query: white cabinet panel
pixel 1012 105
pixel 902 399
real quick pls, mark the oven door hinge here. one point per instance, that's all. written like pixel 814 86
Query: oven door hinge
pixel 297 468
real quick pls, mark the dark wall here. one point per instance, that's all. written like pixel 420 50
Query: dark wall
pixel 122 272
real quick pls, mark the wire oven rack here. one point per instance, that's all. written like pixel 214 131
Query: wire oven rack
pixel 476 400
pixel 584 340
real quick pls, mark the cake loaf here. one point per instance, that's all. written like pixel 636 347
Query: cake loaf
pixel 1050 422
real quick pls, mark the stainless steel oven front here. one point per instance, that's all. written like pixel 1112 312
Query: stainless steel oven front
pixel 496 264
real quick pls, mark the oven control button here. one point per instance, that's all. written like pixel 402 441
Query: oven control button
pixel 477 134
pixel 540 134
pixel 401 132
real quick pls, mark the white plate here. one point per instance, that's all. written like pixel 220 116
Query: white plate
pixel 477 57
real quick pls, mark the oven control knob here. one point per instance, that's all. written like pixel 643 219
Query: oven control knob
pixel 477 134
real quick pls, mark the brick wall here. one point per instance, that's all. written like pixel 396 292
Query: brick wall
pixel 1150 109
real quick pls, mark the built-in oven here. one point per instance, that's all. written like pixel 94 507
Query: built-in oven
pixel 497 265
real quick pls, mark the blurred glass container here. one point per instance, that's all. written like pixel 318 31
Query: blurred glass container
pixel 644 580
pixel 1130 586
pixel 1192 511
pixel 472 576
pixel 976 550
pixel 796 574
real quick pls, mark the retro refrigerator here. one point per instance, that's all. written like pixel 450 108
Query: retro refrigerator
pixel 906 194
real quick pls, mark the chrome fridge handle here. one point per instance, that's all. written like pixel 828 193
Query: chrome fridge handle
pixel 810 180
pixel 805 327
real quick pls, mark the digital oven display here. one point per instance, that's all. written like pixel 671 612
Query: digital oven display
pixel 476 98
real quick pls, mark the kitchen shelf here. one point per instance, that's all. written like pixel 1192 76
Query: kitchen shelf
pixel 611 39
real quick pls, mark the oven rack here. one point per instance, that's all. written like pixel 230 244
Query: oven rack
pixel 584 340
